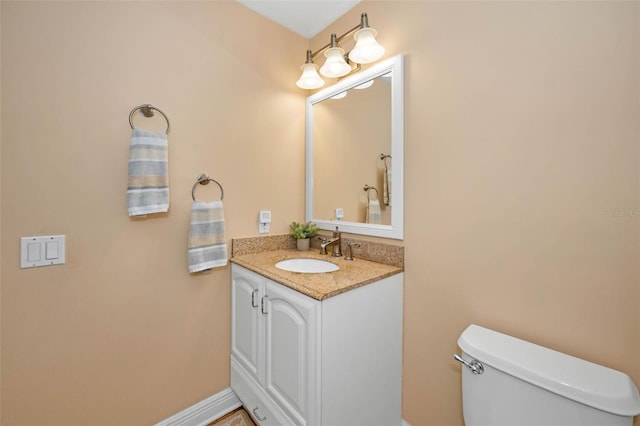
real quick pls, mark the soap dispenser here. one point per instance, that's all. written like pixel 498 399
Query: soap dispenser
pixel 337 251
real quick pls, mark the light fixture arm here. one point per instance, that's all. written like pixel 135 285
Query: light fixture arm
pixel 309 57
pixel 364 23
pixel 338 64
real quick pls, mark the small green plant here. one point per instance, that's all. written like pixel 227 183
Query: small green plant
pixel 301 231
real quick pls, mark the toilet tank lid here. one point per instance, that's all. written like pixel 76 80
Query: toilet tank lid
pixel 574 378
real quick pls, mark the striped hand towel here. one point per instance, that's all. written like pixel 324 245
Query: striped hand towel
pixel 207 246
pixel 386 186
pixel 148 184
pixel 373 212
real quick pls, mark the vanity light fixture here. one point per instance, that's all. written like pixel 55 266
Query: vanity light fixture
pixel 309 78
pixel 337 64
pixel 367 49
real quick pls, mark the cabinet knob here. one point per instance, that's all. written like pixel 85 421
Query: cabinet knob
pixel 254 303
pixel 255 413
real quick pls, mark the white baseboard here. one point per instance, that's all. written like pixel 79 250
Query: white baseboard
pixel 205 411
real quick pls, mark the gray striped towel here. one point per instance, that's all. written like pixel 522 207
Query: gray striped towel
pixel 373 212
pixel 207 246
pixel 386 186
pixel 148 184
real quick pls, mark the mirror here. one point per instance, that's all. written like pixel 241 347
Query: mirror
pixel 357 142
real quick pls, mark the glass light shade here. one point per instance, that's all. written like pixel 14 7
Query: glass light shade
pixel 340 95
pixel 367 49
pixel 309 78
pixel 364 85
pixel 335 66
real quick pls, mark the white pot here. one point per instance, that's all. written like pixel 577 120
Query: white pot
pixel 303 244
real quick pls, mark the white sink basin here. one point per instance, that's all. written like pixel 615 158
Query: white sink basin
pixel 307 266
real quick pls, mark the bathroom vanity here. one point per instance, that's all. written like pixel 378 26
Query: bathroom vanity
pixel 326 348
pixel 314 349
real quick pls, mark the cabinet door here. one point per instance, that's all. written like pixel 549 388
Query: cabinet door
pixel 247 339
pixel 292 367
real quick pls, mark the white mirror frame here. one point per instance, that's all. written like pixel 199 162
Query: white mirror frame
pixel 394 65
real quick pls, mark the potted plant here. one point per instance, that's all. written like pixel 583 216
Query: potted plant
pixel 302 232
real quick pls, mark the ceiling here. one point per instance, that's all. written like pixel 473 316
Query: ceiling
pixel 304 17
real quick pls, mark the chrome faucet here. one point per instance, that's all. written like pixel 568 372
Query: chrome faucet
pixel 326 242
pixel 336 241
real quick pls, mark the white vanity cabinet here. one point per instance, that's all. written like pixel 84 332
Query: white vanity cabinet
pixel 273 345
pixel 300 361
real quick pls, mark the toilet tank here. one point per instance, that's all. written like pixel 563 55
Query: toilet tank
pixel 527 384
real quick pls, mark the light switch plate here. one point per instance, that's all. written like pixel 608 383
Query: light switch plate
pixel 42 251
pixel 265 216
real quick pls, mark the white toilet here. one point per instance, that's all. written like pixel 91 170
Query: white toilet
pixel 510 382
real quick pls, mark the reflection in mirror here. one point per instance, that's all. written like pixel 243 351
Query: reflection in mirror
pixel 344 129
pixel 355 153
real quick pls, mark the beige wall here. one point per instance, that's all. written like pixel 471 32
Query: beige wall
pixel 522 133
pixel 122 334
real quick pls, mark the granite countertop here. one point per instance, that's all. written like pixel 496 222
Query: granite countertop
pixel 352 273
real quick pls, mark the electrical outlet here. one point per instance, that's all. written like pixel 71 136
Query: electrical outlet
pixel 264 221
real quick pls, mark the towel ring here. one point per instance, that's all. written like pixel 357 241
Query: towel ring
pixel 367 188
pixel 204 180
pixel 384 157
pixel 147 111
